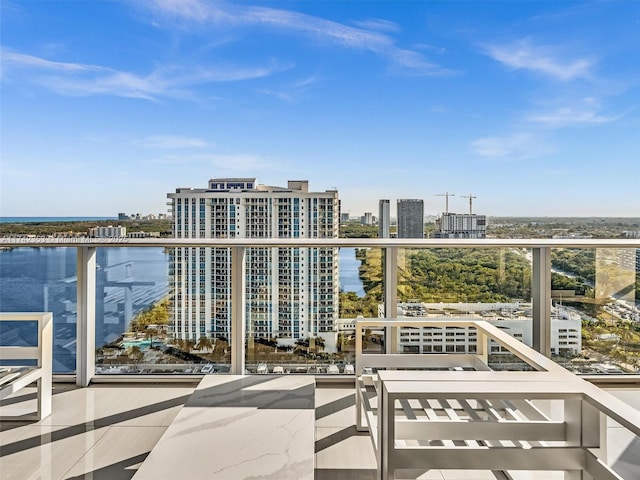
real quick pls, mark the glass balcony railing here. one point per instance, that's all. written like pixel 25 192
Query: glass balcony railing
pixel 199 306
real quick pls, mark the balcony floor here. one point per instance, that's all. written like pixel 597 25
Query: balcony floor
pixel 107 430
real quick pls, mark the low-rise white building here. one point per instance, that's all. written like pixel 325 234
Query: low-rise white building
pixel 108 232
pixel 514 318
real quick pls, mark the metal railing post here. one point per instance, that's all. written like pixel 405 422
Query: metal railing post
pixel 238 324
pixel 86 316
pixel 390 266
pixel 541 291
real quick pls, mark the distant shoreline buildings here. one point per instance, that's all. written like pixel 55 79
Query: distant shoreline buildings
pixel 137 216
pixel 119 232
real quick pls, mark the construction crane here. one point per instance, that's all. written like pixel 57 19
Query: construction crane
pixel 446 195
pixel 470 197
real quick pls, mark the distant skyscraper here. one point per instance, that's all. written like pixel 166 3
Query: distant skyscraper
pixel 461 225
pixel 290 293
pixel 384 218
pixel 367 218
pixel 410 218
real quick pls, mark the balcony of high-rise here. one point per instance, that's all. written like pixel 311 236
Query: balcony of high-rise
pixel 117 402
pixel 489 331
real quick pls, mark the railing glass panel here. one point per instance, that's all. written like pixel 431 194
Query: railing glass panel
pixel 42 280
pixel 300 309
pixel 168 306
pixel 465 284
pixel 601 288
pixel 163 311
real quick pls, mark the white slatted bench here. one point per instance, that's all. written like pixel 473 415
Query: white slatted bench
pixel 436 416
pixel 427 422
pixel 235 427
pixel 15 378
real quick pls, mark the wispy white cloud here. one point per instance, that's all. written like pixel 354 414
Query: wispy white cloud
pixel 518 146
pixel 414 63
pixel 76 79
pixel 378 24
pixel 291 92
pixel 305 82
pixel 567 113
pixel 543 59
pixel 367 37
pixel 9 57
pixel 172 142
pixel 285 95
pixel 565 117
pixel 433 48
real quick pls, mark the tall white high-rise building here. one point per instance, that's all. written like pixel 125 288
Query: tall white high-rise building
pixel 384 218
pixel 291 293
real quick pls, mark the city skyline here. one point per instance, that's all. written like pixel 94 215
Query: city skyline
pixel 530 106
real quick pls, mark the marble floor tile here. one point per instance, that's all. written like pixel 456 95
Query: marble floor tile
pixel 44 452
pixel 117 453
pixel 104 405
pixel 343 448
pixel 335 407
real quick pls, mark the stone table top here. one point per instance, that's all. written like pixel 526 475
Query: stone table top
pixel 239 427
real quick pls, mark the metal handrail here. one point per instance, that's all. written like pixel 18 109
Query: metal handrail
pixel 45 241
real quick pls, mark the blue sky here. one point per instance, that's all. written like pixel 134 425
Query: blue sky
pixel 532 107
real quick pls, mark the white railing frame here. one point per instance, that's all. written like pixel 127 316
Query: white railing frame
pixel 86 276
